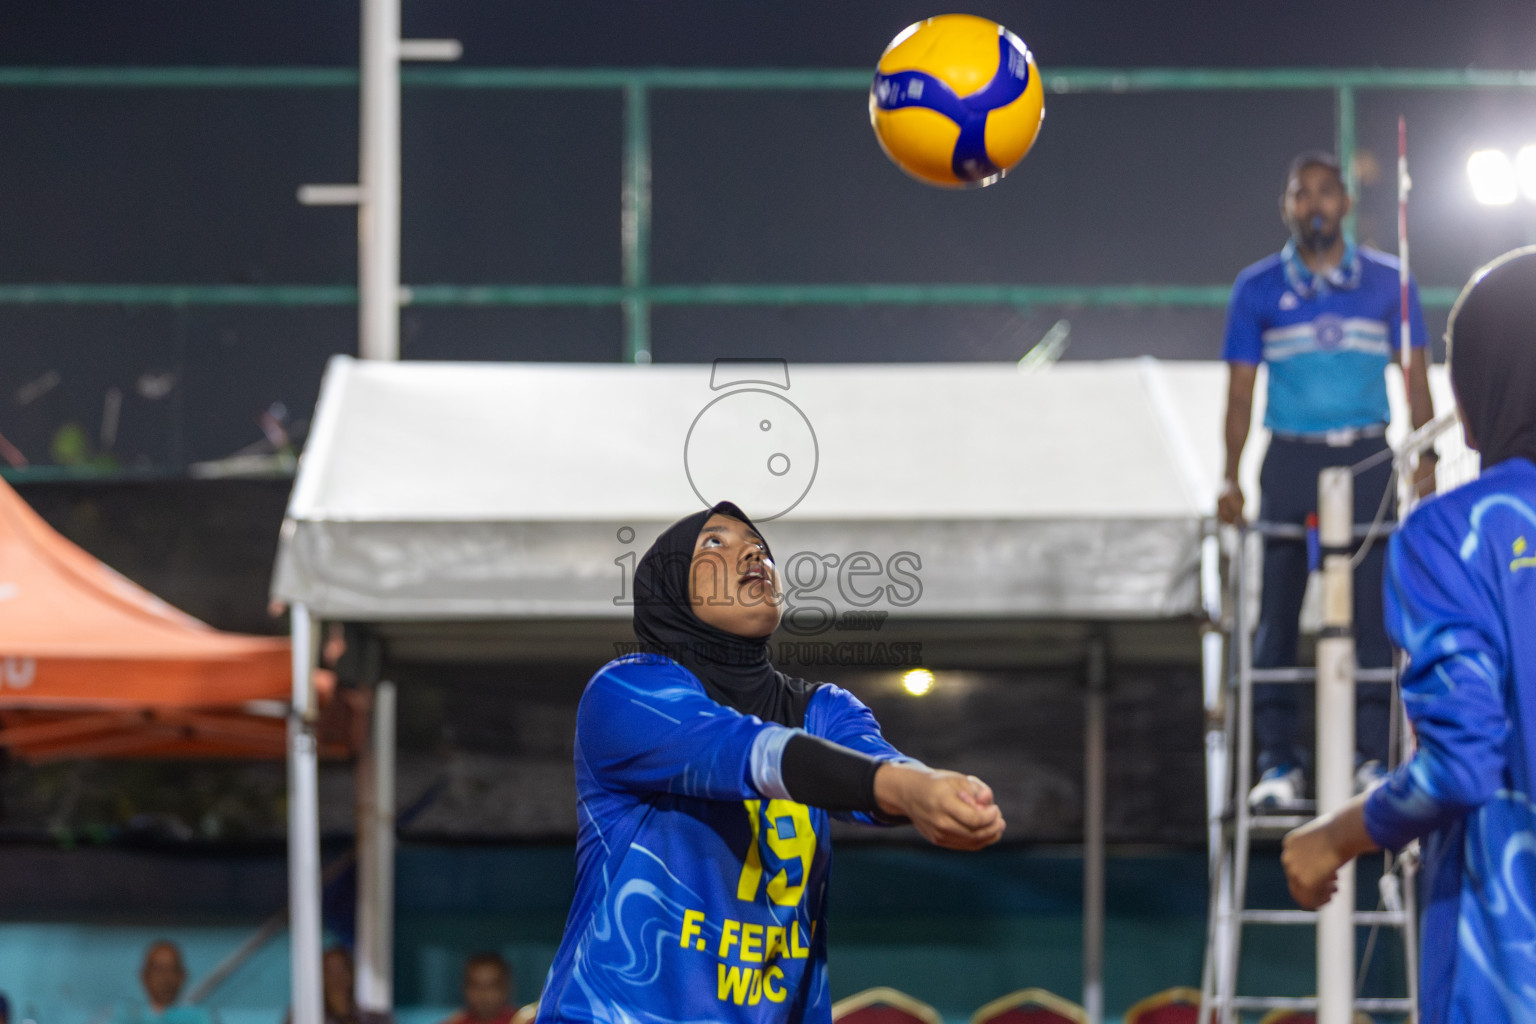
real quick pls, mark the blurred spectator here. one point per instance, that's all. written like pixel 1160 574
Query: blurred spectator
pixel 163 976
pixel 5 1009
pixel 338 981
pixel 487 991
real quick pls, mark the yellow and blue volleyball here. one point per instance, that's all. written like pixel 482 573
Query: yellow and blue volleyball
pixel 957 101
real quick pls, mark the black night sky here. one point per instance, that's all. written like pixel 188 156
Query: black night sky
pixel 186 186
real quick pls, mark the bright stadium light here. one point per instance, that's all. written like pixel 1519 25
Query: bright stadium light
pixel 918 682
pixel 1525 171
pixel 1493 177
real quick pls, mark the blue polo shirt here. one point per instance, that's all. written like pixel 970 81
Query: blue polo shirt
pixel 1327 338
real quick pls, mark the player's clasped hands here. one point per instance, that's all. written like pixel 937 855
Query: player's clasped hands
pixel 948 809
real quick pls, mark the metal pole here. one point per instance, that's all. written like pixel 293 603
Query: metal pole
pixel 1336 737
pixel 303 827
pixel 1407 485
pixel 636 223
pixel 1345 113
pixel 1411 928
pixel 1212 664
pixel 1218 780
pixel 1249 555
pixel 1093 838
pixel 376 857
pixel 378 213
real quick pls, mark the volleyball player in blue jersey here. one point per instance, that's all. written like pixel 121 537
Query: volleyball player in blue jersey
pixel 705 779
pixel 1461 602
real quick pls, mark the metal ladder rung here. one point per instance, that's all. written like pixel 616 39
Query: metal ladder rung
pixel 1309 675
pixel 1236 829
pixel 1310 1003
pixel 1391 918
pixel 1279 822
pixel 1293 531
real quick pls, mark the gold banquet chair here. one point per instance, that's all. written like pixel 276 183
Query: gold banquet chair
pixel 1030 1006
pixel 1170 1006
pixel 883 1005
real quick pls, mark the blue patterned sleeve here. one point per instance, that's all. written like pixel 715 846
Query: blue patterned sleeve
pixel 648 727
pixel 1440 613
pixel 839 717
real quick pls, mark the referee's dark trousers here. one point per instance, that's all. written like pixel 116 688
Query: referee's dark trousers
pixel 1288 493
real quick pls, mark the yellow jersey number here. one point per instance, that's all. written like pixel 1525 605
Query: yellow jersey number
pixel 781 835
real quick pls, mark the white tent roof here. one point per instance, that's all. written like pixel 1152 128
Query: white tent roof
pixel 517 491
pixel 455 490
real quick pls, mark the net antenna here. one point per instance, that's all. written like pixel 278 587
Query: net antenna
pixel 1406 458
pixel 1457 464
pixel 1404 184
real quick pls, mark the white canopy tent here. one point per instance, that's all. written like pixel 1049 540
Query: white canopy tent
pixel 463 510
pixel 474 492
pixel 494 510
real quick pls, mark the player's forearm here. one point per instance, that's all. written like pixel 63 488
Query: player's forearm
pixel 828 775
pixel 1421 404
pixel 1347 833
pixel 1239 414
pixel 1240 384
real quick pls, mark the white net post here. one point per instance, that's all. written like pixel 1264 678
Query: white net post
pixel 1336 737
pixel 304 828
pixel 378 215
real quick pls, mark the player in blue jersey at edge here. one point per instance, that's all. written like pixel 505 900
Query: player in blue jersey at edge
pixel 704 780
pixel 1461 603
pixel 1325 316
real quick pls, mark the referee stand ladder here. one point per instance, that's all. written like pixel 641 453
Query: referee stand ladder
pixel 1232 827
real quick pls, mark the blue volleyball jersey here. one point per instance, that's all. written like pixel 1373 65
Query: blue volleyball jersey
pixel 1327 339
pixel 701 888
pixel 1461 602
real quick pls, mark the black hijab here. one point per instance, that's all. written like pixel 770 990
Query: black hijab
pixel 1492 352
pixel 735 670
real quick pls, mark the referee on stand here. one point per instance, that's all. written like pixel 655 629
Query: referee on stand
pixel 1325 315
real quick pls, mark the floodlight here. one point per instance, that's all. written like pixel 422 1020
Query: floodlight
pixel 1525 171
pixel 918 682
pixel 1493 177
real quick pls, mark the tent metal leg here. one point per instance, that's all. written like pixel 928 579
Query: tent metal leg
pixel 376 857
pixel 1218 766
pixel 1093 838
pixel 304 827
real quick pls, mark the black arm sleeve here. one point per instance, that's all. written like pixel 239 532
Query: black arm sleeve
pixel 823 774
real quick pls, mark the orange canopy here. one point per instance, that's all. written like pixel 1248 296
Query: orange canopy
pixel 93 665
